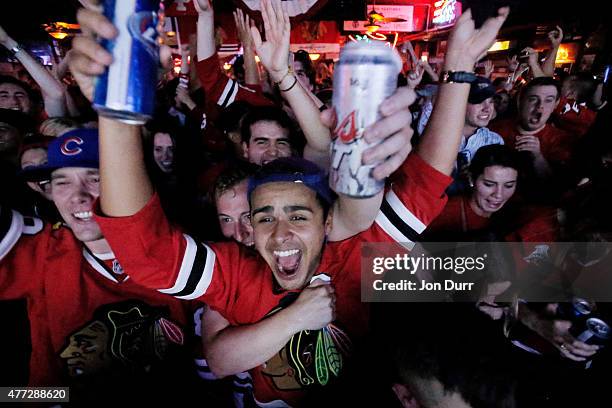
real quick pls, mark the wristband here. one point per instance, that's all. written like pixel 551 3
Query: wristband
pixel 290 88
pixel 462 77
pixel 14 50
pixel 289 71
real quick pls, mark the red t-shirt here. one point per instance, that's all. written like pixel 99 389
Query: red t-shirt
pixel 556 144
pixel 90 330
pixel 457 217
pixel 573 117
pixel 240 284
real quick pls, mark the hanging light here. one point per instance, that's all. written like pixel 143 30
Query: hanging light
pixel 60 30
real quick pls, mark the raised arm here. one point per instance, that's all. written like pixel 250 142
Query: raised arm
pixel 124 187
pixel 534 64
pixel 466 44
pixel 51 88
pixel 243 24
pixel 218 86
pixel 351 216
pixel 274 54
pixel 555 37
pixel 206 29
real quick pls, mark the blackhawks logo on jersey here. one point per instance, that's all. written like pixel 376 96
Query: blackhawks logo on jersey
pixel 310 358
pixel 126 337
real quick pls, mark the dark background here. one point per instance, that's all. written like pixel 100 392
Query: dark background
pixel 22 18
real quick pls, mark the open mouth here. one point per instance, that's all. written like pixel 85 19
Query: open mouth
pixel 83 215
pixel 494 205
pixel 535 118
pixel 288 262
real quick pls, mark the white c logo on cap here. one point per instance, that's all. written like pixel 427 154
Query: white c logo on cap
pixel 72 151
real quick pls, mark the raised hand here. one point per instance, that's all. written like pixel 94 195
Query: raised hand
pixel 273 52
pixel 243 25
pixel 466 44
pixel 89 59
pixel 203 6
pixel 393 133
pixel 555 37
pixel 532 55
pixel 415 76
pixel 489 67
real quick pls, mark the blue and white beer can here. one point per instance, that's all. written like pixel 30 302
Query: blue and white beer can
pixel 126 90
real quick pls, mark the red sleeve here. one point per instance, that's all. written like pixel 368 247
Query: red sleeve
pixel 18 271
pixel 450 218
pixel 223 90
pixel 416 197
pixel 159 256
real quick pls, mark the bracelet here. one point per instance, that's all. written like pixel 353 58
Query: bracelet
pixel 289 71
pixel 14 50
pixel 449 77
pixel 291 87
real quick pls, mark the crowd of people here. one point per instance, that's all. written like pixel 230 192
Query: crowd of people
pixel 203 257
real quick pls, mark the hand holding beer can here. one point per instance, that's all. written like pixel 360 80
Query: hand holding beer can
pixel 364 77
pixel 126 90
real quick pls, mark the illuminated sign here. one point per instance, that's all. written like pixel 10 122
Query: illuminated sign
pixel 500 46
pixel 445 13
pixel 369 37
pixel 403 12
pixel 567 53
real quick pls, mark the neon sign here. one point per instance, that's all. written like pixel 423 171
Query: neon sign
pixel 445 12
pixel 369 37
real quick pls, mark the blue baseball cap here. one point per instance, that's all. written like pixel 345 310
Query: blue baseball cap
pixel 75 148
pixel 296 170
pixel 481 90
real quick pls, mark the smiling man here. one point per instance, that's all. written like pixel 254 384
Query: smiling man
pixel 68 274
pixel 480 111
pixel 267 134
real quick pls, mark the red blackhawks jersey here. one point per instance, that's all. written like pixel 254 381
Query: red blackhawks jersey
pixel 240 284
pixel 222 89
pixel 91 330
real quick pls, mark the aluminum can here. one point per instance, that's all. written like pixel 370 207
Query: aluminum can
pixel 126 90
pixel 577 309
pixel 593 331
pixel 364 77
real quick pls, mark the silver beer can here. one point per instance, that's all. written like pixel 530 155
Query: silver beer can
pixel 364 77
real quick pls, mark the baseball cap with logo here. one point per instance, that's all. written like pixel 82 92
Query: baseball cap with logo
pixel 481 90
pixel 75 148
